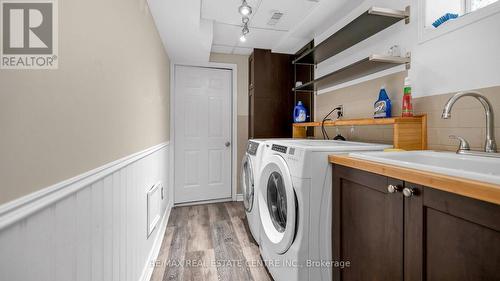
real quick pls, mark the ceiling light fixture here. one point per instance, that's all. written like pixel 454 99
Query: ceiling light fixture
pixel 244 32
pixel 245 29
pixel 244 9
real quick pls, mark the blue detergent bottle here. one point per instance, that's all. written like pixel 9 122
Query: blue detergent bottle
pixel 383 105
pixel 299 113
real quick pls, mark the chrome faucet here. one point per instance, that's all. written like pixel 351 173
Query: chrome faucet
pixel 490 145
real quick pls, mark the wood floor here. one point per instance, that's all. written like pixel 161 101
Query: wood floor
pixel 211 243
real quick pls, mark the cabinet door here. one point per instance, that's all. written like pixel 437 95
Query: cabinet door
pixel 367 226
pixel 450 237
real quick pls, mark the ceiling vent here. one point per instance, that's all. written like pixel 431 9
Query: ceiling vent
pixel 275 18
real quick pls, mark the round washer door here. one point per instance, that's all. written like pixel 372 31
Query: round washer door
pixel 247 183
pixel 278 210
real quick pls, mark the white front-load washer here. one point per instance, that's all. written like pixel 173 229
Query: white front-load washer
pixel 295 206
pixel 250 175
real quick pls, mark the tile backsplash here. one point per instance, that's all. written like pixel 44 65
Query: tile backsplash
pixel 468 117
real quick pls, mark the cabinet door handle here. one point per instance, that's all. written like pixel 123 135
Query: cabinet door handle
pixel 393 188
pixel 408 192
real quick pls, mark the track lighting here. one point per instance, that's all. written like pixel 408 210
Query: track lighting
pixel 244 9
pixel 245 29
pixel 244 33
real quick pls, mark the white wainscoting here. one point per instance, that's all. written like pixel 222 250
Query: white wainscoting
pixel 90 228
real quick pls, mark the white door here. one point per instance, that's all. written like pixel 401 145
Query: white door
pixel 202 132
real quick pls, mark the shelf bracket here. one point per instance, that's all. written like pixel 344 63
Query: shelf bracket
pixel 407 12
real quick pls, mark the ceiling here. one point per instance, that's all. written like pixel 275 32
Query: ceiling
pixel 191 29
pixel 228 25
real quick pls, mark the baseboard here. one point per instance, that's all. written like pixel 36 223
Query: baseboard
pixel 212 201
pixel 155 251
pixel 18 209
pixel 239 197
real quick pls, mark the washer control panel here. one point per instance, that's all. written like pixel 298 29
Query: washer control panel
pixel 252 147
pixel 279 148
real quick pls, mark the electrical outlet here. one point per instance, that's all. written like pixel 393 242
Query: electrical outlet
pixel 340 113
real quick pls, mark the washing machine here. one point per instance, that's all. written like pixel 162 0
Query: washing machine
pixel 249 182
pixel 295 206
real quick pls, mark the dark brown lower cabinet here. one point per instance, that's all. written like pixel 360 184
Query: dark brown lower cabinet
pixel 426 235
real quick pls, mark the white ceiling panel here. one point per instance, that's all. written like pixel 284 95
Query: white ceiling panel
pixel 293 12
pixel 191 29
pixel 225 11
pixel 228 25
pixel 229 35
pixel 242 51
pixel 186 37
pixel 262 39
pixel 222 49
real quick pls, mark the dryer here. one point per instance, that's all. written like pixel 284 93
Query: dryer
pixel 295 206
pixel 250 172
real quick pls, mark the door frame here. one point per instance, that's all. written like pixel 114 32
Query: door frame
pixel 234 129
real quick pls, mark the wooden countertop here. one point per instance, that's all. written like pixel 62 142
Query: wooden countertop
pixel 474 189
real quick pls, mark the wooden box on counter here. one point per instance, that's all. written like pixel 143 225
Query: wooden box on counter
pixel 409 133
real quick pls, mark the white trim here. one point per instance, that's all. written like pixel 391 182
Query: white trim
pixel 25 206
pixel 202 202
pixel 427 33
pixel 147 272
pixel 234 141
pixel 171 159
pixel 152 223
pixel 239 197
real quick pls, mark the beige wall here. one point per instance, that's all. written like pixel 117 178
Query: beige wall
pixel 108 99
pixel 468 118
pixel 242 96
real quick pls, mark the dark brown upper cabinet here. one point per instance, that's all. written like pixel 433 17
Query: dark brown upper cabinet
pixel 270 95
pixel 394 230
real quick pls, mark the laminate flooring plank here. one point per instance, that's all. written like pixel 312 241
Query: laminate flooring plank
pixel 179 216
pixel 249 233
pixel 200 234
pixel 209 242
pixel 200 237
pixel 174 268
pixel 231 263
pixel 243 232
pixel 160 263
pixel 198 214
pixel 255 263
pixel 217 212
pixel 235 209
pixel 200 266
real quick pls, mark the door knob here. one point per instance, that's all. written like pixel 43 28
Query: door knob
pixel 393 188
pixel 227 144
pixel 408 192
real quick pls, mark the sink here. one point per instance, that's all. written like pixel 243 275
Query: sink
pixel 478 168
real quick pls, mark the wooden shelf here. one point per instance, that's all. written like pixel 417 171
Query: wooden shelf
pixel 369 23
pixel 363 122
pixel 364 67
pixel 409 133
